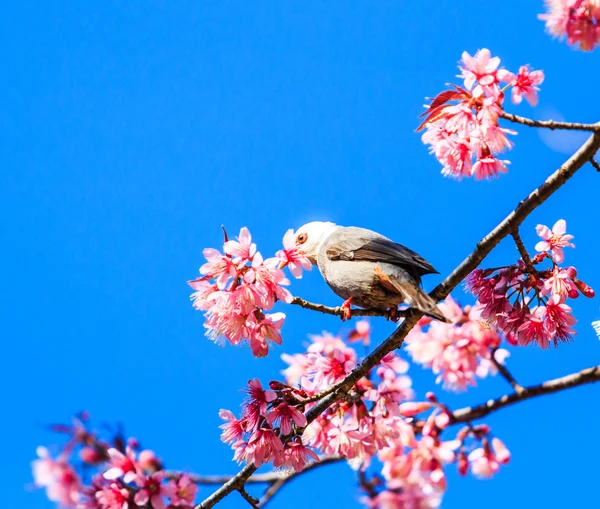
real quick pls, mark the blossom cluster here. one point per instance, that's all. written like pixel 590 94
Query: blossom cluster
pixel 578 20
pixel 458 352
pixel 269 429
pixel 529 304
pixel 238 286
pixel 376 419
pixel 123 476
pixel 413 476
pixel 461 124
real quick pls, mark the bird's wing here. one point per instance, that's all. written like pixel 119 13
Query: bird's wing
pixel 359 244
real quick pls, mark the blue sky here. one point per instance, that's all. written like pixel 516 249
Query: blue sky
pixel 133 130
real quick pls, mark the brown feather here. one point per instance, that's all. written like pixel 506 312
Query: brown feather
pixel 412 295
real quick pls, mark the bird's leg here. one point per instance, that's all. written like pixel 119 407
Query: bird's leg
pixel 346 309
pixel 392 314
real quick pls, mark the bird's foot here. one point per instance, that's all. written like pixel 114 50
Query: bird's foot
pixel 392 314
pixel 346 310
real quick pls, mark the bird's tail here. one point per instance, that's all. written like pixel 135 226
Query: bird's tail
pixel 413 295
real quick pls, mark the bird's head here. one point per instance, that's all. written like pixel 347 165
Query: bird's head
pixel 309 237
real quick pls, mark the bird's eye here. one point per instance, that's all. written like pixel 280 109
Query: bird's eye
pixel 302 238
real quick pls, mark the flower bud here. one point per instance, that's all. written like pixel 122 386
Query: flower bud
pixel 148 461
pixel 463 463
pixel 92 455
pixel 431 397
pixel 587 290
pixel 412 408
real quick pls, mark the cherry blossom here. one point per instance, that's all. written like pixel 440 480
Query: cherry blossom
pixel 578 20
pixel 181 491
pixel 554 240
pixel 524 84
pixel 461 124
pixel 151 490
pixel 58 477
pixel 237 288
pixel 459 352
pixel 529 304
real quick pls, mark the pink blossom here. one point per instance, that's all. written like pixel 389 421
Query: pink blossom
pixel 58 477
pixel 554 240
pixel 485 461
pixel 578 20
pixel 256 406
pixel 268 330
pixel 243 249
pixel 181 491
pixel 113 497
pixel 286 415
pixel 459 353
pixel 524 84
pixel 561 283
pixel 291 256
pixel 489 167
pixel 264 446
pixel 361 332
pixel 296 455
pixel 151 490
pixel 218 266
pixel 122 465
pixel 148 461
pixel 233 429
pixel 482 68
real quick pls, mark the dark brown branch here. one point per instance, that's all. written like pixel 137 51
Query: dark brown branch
pixel 268 478
pixel 550 124
pixel 586 376
pixel 338 311
pixel 595 164
pixel 471 262
pixel 277 480
pixel 523 252
pixel 503 370
pixel 248 498
pixel 272 490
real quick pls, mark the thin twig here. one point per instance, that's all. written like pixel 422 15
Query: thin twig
pixel 595 164
pixel 339 311
pixel 395 340
pixel 248 498
pixel 550 124
pixel 503 370
pixel 272 490
pixel 277 480
pixel 523 252
pixel 586 376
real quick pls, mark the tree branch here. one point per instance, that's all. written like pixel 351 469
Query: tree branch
pixel 550 124
pixel 248 498
pixel 523 252
pixel 278 480
pixel 395 340
pixel 339 311
pixel 503 370
pixel 595 164
pixel 586 376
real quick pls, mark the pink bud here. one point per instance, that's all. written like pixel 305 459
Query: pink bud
pixel 92 455
pixel 463 463
pixel 148 461
pixel 133 443
pixel 462 434
pixel 573 293
pixel 431 397
pixel 412 408
pixel 572 272
pixel 502 453
pixel 276 386
pixel 587 290
pixel 442 420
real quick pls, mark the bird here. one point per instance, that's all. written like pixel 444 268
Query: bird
pixel 367 269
